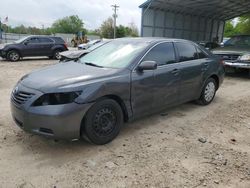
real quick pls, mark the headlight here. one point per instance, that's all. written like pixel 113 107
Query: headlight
pixel 245 57
pixel 2 47
pixel 57 98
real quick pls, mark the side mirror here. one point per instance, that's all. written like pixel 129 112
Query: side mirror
pixel 26 42
pixel 222 44
pixel 147 65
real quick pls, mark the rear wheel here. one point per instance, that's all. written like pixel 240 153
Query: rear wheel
pixel 103 122
pixel 13 56
pixel 57 55
pixel 208 92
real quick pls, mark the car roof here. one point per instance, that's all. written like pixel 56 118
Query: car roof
pixel 151 39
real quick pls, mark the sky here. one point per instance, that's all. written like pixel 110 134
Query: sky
pixel 45 12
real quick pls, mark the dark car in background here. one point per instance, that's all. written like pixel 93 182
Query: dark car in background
pixel 208 45
pixel 235 52
pixel 120 81
pixel 32 46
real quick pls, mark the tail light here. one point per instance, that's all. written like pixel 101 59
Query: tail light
pixel 65 45
pixel 222 62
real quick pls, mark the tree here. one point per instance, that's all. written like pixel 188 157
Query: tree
pixel 243 26
pixel 134 32
pixel 107 28
pixel 229 29
pixel 69 24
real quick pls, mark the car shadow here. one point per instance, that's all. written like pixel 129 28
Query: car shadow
pixel 62 149
pixel 57 153
pixel 244 73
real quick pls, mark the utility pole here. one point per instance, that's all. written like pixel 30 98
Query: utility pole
pixel 115 8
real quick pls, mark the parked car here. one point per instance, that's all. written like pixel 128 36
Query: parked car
pixel 118 82
pixel 88 45
pixel 225 39
pixel 235 52
pixel 33 46
pixel 209 45
pixel 74 55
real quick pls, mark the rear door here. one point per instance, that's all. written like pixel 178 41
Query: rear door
pixel 191 68
pixel 46 46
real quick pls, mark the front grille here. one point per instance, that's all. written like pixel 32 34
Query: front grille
pixel 20 97
pixel 229 57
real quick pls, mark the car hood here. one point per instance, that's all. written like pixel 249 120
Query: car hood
pixel 231 50
pixel 63 75
pixel 5 44
pixel 74 54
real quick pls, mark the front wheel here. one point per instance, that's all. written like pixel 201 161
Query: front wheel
pixel 13 56
pixel 103 122
pixel 208 92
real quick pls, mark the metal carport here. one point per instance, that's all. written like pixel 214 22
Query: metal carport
pixel 197 20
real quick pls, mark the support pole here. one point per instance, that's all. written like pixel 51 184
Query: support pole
pixel 115 8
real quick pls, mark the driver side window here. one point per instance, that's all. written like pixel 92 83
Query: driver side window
pixel 162 54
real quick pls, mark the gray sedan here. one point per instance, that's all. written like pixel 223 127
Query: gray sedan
pixel 118 82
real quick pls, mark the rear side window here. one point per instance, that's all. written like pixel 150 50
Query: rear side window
pixel 58 40
pixel 45 40
pixel 162 54
pixel 187 51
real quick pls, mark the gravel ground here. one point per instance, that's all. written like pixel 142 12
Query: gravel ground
pixel 187 146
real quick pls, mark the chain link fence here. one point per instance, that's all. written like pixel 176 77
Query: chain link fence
pixel 11 37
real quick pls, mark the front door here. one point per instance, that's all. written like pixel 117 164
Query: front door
pixel 156 89
pixel 32 47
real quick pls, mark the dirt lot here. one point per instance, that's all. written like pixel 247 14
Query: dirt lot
pixel 164 150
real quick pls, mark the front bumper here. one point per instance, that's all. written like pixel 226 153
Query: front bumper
pixel 236 64
pixel 3 54
pixel 53 121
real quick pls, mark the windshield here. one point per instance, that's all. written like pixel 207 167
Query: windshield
pixel 21 40
pixel 116 54
pixel 238 41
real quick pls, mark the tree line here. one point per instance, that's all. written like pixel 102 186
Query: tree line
pixel 242 27
pixel 73 24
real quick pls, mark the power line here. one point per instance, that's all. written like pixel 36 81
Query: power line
pixel 115 8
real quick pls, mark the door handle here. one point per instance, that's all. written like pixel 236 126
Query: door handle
pixel 175 71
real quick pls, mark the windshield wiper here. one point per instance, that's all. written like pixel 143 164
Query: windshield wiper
pixel 92 64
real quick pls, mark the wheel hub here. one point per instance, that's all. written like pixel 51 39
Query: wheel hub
pixel 104 122
pixel 209 91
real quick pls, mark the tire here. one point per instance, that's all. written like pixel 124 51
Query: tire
pixel 13 56
pixel 56 55
pixel 103 122
pixel 208 92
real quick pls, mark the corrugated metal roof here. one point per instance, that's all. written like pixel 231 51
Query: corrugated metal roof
pixel 219 9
